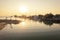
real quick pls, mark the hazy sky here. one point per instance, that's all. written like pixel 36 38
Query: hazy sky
pixel 11 7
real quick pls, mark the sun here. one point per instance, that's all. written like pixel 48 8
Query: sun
pixel 23 9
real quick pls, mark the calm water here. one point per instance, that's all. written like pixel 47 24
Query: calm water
pixel 29 30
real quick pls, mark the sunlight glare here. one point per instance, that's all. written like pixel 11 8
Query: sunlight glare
pixel 23 9
pixel 23 23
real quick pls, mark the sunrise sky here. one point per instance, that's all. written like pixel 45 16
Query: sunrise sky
pixel 28 7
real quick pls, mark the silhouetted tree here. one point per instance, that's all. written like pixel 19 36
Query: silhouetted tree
pixel 57 15
pixel 40 16
pixel 15 16
pixel 49 15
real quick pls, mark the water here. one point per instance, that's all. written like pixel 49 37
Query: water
pixel 30 30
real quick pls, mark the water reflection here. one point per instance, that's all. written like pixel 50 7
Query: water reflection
pixel 23 23
pixel 3 23
pixel 48 22
pixel 27 28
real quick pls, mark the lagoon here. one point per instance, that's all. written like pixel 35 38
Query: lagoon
pixel 30 30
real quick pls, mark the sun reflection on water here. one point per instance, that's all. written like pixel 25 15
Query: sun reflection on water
pixel 23 23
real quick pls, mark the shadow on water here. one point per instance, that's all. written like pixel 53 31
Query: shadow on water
pixel 3 23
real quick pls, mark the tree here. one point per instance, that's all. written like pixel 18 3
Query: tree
pixel 15 16
pixel 50 15
pixel 40 16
